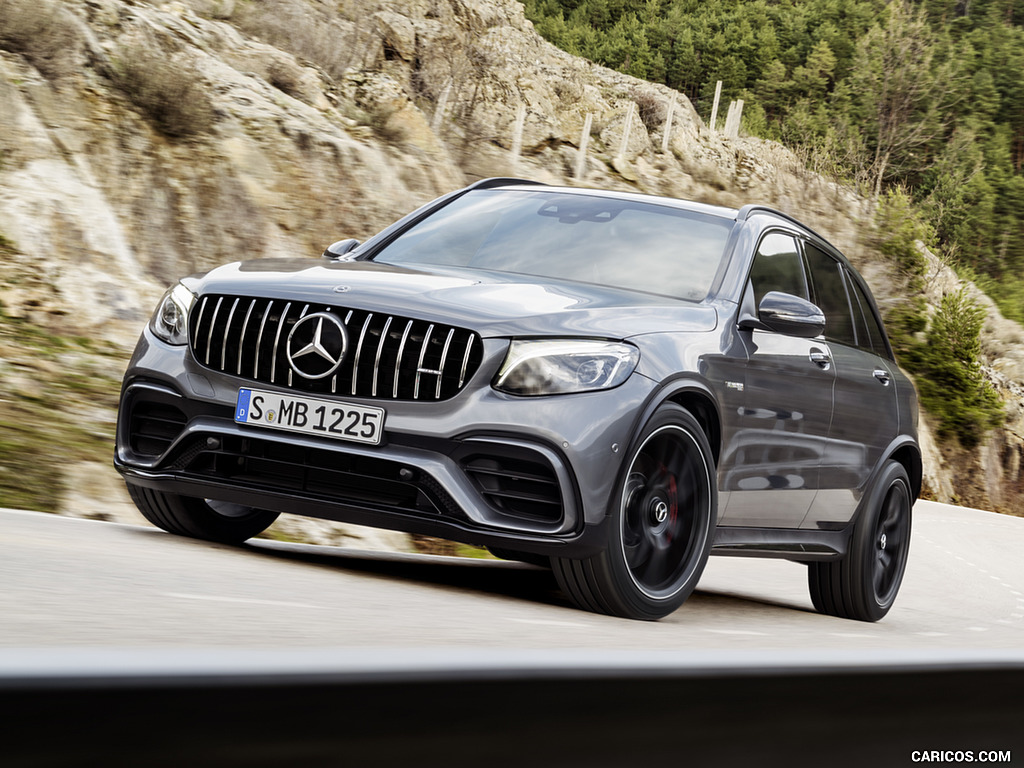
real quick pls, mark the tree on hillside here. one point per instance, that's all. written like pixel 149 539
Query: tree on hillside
pixel 899 89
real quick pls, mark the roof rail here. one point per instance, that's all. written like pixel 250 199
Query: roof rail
pixel 752 209
pixel 502 181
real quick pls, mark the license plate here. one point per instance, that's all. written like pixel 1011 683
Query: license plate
pixel 310 416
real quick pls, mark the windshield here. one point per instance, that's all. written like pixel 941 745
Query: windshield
pixel 620 243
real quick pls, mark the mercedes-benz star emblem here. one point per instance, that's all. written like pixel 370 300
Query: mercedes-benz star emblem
pixel 316 345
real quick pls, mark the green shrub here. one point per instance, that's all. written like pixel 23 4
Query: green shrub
pixel 950 381
pixel 900 228
pixel 905 322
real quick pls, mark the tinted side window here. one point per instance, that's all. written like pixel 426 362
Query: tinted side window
pixel 778 267
pixel 875 335
pixel 830 296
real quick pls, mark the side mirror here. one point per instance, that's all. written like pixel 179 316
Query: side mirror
pixel 337 250
pixel 790 315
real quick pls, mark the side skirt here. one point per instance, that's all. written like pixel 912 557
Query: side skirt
pixel 800 545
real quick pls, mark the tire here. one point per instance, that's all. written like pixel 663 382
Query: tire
pixel 200 518
pixel 863 585
pixel 662 519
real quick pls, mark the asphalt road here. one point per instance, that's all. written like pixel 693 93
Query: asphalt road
pixel 75 583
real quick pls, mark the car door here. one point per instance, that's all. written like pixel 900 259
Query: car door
pixel 866 415
pixel 777 437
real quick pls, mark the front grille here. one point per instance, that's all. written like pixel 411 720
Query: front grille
pixel 388 357
pixel 153 427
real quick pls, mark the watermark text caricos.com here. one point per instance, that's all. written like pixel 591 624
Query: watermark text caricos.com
pixel 960 756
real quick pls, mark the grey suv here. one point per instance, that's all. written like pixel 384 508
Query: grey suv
pixel 615 384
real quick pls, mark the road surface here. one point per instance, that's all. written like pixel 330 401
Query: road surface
pixel 72 582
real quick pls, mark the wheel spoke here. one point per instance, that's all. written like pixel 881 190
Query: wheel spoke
pixel 894 505
pixel 662 454
pixel 877 579
pixel 895 539
pixel 885 559
pixel 637 555
pixel 659 566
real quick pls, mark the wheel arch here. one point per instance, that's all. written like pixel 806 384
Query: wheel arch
pixel 908 454
pixel 905 452
pixel 704 409
pixel 696 398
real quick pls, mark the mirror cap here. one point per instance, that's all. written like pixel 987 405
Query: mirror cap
pixel 340 249
pixel 790 315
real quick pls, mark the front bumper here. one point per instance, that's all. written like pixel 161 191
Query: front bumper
pixel 530 474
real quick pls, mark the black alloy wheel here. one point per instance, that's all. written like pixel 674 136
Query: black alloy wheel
pixel 662 522
pixel 892 539
pixel 863 585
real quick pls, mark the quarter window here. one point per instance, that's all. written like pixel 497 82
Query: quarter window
pixel 875 339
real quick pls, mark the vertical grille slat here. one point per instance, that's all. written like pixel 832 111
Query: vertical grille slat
pixel 359 351
pixel 277 342
pixel 398 358
pixel 465 360
pixel 227 334
pixel 388 356
pixel 213 324
pixel 199 324
pixel 419 366
pixel 241 338
pixel 376 360
pixel 259 340
pixel 440 367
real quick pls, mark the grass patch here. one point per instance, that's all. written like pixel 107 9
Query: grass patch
pixel 430 545
pixel 273 534
pixel 58 398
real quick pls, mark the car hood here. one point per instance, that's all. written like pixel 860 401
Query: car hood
pixel 491 303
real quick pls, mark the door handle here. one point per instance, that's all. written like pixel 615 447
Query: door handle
pixel 882 376
pixel 821 359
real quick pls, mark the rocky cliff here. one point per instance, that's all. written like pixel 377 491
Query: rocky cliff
pixel 142 141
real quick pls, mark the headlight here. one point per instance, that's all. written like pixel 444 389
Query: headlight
pixel 564 366
pixel 170 321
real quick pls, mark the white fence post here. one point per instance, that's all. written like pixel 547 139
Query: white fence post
pixel 714 108
pixel 581 156
pixel 732 120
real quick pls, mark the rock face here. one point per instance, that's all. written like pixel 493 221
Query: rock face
pixel 166 138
